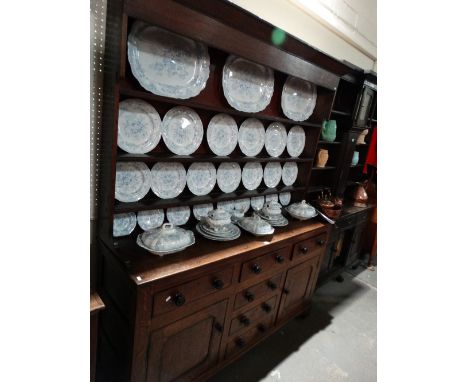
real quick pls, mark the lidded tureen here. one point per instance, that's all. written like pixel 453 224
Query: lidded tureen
pixel 217 218
pixel 271 208
pixel 256 225
pixel 165 240
pixel 302 210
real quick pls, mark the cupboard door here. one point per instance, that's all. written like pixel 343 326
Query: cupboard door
pixel 184 349
pixel 297 287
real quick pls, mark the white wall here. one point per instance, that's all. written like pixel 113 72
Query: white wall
pixel 344 29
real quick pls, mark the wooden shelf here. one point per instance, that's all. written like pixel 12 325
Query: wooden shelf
pixel 162 157
pixel 311 189
pixel 323 168
pixel 130 90
pixel 338 112
pixel 189 199
pixel 329 143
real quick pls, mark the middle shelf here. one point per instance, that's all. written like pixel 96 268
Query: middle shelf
pixel 162 157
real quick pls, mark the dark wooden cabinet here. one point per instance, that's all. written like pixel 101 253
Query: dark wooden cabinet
pixel 184 349
pixel 297 287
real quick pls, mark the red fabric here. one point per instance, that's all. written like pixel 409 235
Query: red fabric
pixel 372 152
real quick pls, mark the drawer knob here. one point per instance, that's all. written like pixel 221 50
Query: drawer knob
pixel 256 269
pixel 304 249
pixel 249 296
pixel 266 307
pixel 261 328
pixel 244 320
pixel 286 291
pixel 179 299
pixel 271 285
pixel 321 242
pixel 240 342
pixel 279 259
pixel 218 283
pixel 218 327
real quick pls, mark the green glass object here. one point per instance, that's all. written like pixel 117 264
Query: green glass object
pixel 355 159
pixel 329 130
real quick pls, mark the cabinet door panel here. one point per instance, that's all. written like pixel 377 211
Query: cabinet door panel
pixel 297 287
pixel 184 349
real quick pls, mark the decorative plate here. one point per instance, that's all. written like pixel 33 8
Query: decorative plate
pixel 251 137
pixel 201 231
pixel 168 179
pixel 201 178
pixel 150 219
pixel 276 138
pixel 285 198
pixel 166 63
pixel 227 205
pixel 139 128
pixel 290 171
pixel 124 224
pixel 178 215
pixel 247 86
pixel 222 134
pixel 271 198
pixel 298 98
pixel 272 174
pixel 296 141
pixel 252 175
pixel 201 210
pixel 257 202
pixel 228 176
pixel 242 205
pixel 182 130
pixel 132 181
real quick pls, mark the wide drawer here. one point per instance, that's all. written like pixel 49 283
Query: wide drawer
pixel 252 294
pixel 263 312
pixel 188 292
pixel 310 247
pixel 265 263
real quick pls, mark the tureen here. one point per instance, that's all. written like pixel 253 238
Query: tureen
pixel 165 240
pixel 256 225
pixel 217 218
pixel 302 210
pixel 271 208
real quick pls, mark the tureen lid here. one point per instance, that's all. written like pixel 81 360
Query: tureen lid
pixel 218 214
pixel 256 225
pixel 271 208
pixel 166 238
pixel 302 209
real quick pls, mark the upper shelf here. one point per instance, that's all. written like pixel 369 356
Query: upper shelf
pixel 338 112
pixel 162 157
pixel 130 90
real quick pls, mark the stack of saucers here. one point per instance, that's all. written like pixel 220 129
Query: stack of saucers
pixel 217 226
pixel 271 212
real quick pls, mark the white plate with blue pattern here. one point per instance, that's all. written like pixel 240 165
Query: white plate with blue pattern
pixel 178 215
pixel 289 174
pixel 251 137
pixel 150 219
pixel 228 176
pixel 272 174
pixel 222 134
pixel 166 63
pixel 139 126
pixel 201 210
pixel 201 178
pixel 124 224
pixel 252 175
pixel 132 181
pixel 298 99
pixel 247 86
pixel 256 202
pixel 168 179
pixel 182 130
pixel 296 141
pixel 276 139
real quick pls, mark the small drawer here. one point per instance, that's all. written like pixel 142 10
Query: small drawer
pixel 265 263
pixel 242 341
pixel 252 294
pixel 310 247
pixel 184 294
pixel 263 312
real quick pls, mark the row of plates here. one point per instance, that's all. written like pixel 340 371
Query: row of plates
pixel 140 130
pixel 171 65
pixel 168 179
pixel 125 223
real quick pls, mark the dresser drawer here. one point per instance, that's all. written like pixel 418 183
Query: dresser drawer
pixel 184 294
pixel 242 341
pixel 310 247
pixel 265 263
pixel 262 313
pixel 252 294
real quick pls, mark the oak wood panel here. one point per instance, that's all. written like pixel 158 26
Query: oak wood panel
pixel 184 21
pixel 182 350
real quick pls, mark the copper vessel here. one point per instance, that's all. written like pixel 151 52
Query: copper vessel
pixel 360 196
